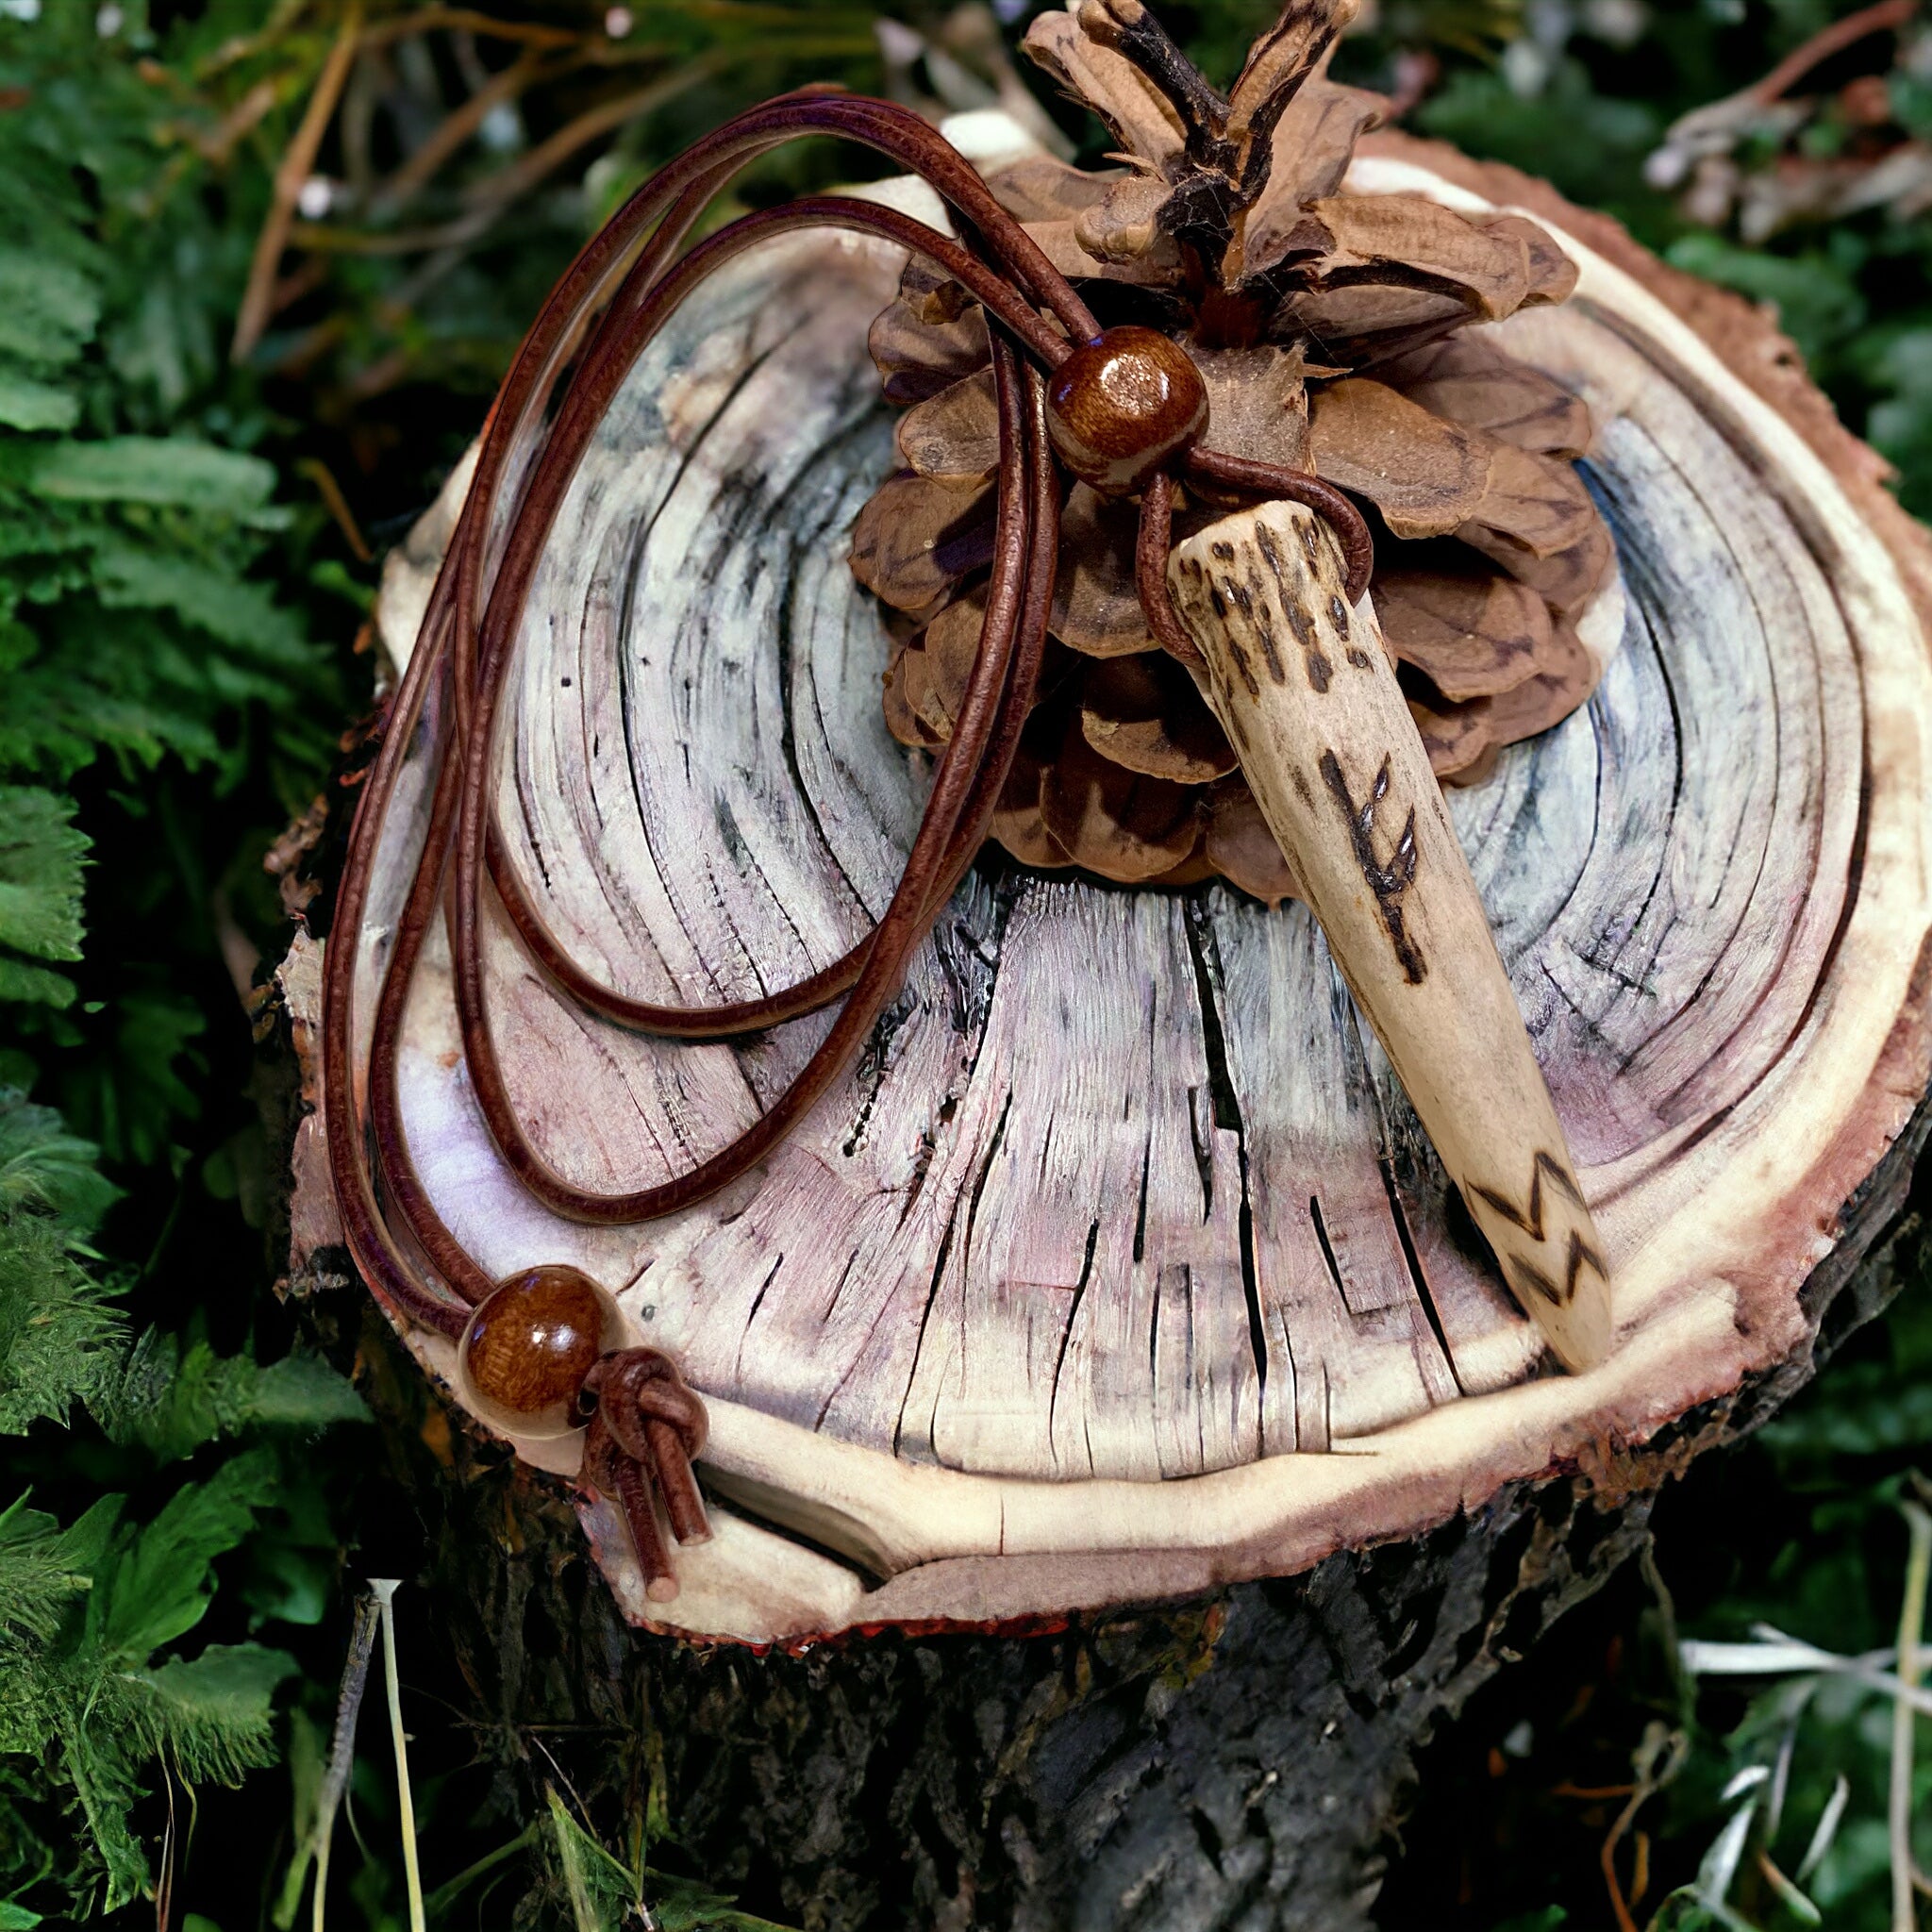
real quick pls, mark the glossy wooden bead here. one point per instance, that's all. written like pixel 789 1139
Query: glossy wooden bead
pixel 1120 406
pixel 528 1347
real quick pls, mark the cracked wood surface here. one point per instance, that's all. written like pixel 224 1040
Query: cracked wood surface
pixel 1122 1188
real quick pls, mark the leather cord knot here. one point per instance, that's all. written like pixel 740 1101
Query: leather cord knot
pixel 646 1430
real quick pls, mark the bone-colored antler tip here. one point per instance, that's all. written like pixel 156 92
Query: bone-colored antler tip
pixel 1309 697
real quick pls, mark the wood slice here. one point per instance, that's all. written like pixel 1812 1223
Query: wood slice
pixel 1118 1267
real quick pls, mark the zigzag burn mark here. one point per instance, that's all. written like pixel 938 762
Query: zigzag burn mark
pixel 1532 1223
pixel 1526 1274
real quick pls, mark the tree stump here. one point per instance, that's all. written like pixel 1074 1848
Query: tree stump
pixel 1118 1271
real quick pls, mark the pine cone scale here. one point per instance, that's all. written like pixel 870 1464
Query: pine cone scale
pixel 1471 635
pixel 1427 476
pixel 953 436
pixel 1336 332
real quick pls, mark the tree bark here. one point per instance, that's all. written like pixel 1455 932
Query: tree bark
pixel 1242 1760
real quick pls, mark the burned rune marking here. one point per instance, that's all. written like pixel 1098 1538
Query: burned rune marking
pixel 1547 1167
pixel 1243 665
pixel 1526 1277
pixel 1386 879
pixel 1525 1273
pixel 1259 613
pixel 1294 607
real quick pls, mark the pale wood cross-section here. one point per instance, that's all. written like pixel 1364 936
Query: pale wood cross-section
pixel 1119 1265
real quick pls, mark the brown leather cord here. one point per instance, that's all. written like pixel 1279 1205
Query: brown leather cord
pixel 625 1475
pixel 960 835
pixel 749 1016
pixel 410 1200
pixel 1242 477
pixel 729 1021
pixel 678 194
pixel 899 931
pixel 645 1423
pixel 619 293
pixel 603 374
pixel 1214 473
pixel 699 1022
pixel 1152 541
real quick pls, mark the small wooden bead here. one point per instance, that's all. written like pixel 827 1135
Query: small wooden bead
pixel 529 1346
pixel 1120 406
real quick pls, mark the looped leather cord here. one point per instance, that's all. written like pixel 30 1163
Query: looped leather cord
pixel 606 310
pixel 647 1428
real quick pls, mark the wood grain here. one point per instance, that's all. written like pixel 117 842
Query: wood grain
pixel 1122 1191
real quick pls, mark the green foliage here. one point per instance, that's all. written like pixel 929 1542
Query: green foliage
pixel 87 1608
pixel 57 1324
pixel 44 1168
pixel 1895 361
pixel 79 1689
pixel 135 628
pixel 59 1331
pixel 132 628
pixel 1858 301
pixel 1591 145
pixel 130 624
pixel 1854 294
pixel 170 1400
pixel 176 596
pixel 1758 1727
pixel 1840 1459
pixel 40 859
pixel 602 1893
pixel 134 1089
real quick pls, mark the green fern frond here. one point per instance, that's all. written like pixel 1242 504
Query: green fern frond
pixel 41 1572
pixel 211 1716
pixel 44 1168
pixel 171 1399
pixel 60 1330
pixel 82 1693
pixel 154 1585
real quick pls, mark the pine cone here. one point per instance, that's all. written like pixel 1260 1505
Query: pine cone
pixel 1330 332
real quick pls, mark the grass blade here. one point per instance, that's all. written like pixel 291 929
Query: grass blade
pixel 385 1590
pixel 1911 1624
